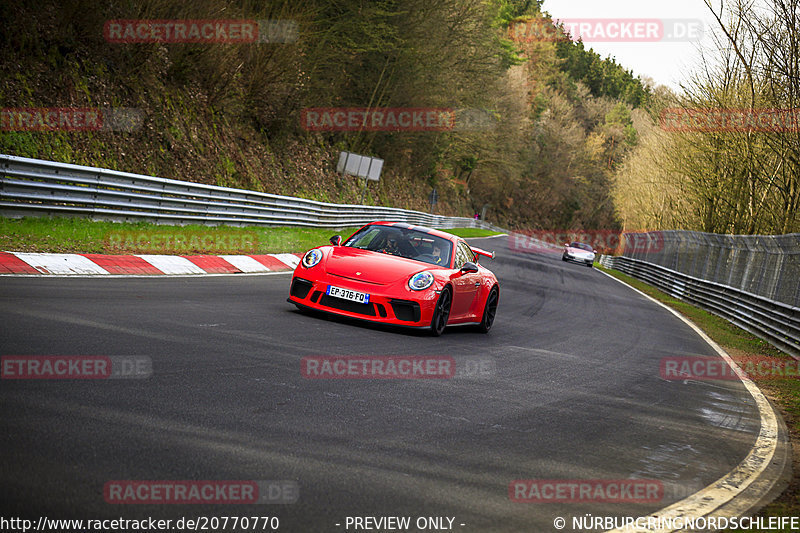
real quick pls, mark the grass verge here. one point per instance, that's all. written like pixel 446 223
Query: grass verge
pixel 743 346
pixel 471 233
pixel 73 235
pixel 77 235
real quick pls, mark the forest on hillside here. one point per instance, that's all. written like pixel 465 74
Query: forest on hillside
pixel 554 117
pixel 722 155
pixel 556 136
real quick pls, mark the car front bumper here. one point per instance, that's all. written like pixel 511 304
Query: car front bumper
pixel 385 306
pixel 579 259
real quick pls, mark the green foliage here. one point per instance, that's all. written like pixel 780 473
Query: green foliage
pixel 508 10
pixel 603 77
pixel 508 53
pixel 620 117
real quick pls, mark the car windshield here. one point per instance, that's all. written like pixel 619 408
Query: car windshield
pixel 582 246
pixel 403 242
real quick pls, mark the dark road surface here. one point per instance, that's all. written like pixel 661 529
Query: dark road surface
pixel 575 394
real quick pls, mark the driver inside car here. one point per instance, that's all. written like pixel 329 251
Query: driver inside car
pixel 437 253
pixel 391 245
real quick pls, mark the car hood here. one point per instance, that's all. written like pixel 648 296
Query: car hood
pixel 371 267
pixel 579 252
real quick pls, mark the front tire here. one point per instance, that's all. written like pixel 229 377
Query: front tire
pixel 490 310
pixel 441 313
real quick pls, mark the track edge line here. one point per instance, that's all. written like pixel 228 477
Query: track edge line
pixel 733 484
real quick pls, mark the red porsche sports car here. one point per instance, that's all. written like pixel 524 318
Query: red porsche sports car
pixel 399 274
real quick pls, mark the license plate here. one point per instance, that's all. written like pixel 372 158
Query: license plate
pixel 347 294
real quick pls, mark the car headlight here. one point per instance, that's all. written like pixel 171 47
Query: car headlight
pixel 420 281
pixel 311 258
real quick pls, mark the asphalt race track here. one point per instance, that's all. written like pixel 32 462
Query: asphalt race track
pixel 575 393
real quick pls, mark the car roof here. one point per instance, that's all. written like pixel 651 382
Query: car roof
pixel 423 229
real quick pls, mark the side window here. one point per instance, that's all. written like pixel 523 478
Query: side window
pixel 463 255
pixel 469 253
pixel 459 258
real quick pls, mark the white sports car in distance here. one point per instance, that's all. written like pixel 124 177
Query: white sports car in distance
pixel 580 253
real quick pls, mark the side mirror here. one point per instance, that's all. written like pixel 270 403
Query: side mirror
pixel 336 240
pixel 469 268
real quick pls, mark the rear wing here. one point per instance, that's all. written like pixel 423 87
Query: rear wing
pixel 483 252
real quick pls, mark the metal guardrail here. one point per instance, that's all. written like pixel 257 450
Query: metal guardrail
pixel 766 265
pixel 775 322
pixel 33 187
